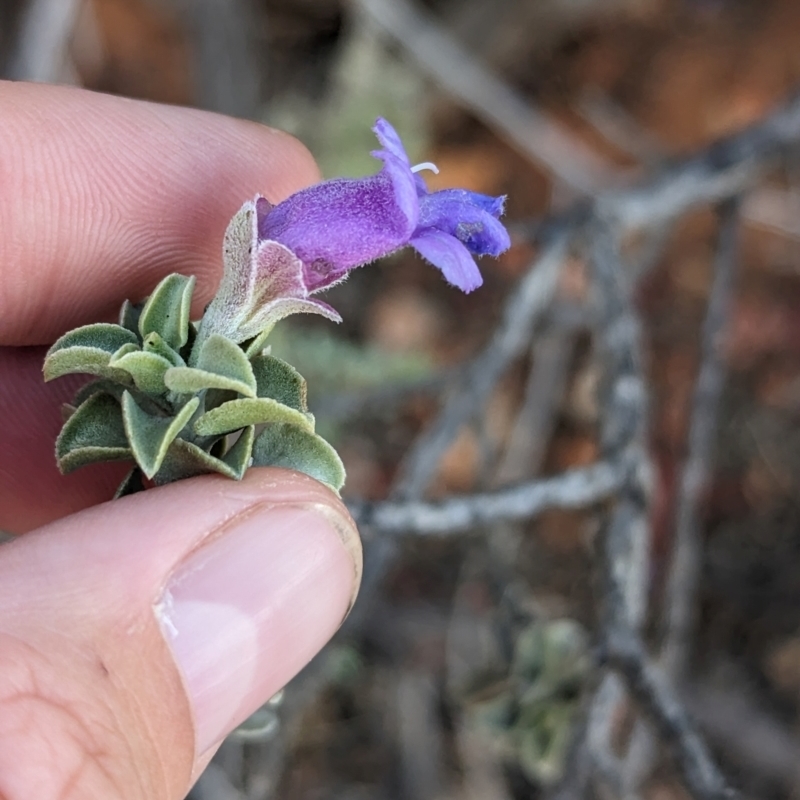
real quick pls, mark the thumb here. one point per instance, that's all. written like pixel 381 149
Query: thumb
pixel 135 635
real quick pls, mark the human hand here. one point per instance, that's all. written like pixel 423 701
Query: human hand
pixel 135 634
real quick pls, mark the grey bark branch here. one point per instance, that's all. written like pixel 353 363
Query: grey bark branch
pixel 681 591
pixel 574 489
pixel 623 433
pixel 724 169
pixel 652 691
pixel 626 552
pixel 536 420
pixel 626 536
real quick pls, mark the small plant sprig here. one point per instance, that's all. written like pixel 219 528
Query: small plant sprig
pixel 529 711
pixel 180 398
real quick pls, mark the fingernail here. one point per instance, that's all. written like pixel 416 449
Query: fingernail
pixel 248 610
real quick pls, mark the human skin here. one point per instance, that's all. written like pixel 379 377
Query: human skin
pixel 134 634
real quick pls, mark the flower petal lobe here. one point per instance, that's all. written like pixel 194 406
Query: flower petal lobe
pixel 451 257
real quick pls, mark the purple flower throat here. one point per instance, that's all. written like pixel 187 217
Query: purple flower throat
pixel 341 224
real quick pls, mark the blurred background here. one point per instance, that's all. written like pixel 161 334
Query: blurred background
pixel 473 665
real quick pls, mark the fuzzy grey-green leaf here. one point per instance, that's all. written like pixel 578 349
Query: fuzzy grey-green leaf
pixel 150 436
pixel 82 361
pixel 154 343
pixel 94 432
pixel 167 310
pixel 280 381
pixel 258 343
pixel 185 460
pixel 285 445
pixel 190 380
pixel 124 350
pixel 246 411
pixel 88 350
pixel 221 364
pixel 224 357
pixel 92 455
pixel 100 336
pixel 146 369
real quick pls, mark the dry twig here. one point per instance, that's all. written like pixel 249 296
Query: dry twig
pixel 573 489
pixel 544 390
pixel 722 170
pixel 680 596
pixel 626 539
pixel 626 552
pixel 679 601
pixel 654 695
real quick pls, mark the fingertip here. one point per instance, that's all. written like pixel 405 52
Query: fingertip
pixel 295 166
pixel 160 621
pixel 102 196
pixel 250 607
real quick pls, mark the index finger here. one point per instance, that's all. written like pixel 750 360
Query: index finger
pixel 101 196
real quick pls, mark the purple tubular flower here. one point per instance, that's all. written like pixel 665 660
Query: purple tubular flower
pixel 341 224
pixel 277 257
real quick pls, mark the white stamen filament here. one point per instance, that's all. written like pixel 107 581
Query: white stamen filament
pixel 426 165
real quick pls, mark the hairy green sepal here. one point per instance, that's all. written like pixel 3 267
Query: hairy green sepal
pixel 176 410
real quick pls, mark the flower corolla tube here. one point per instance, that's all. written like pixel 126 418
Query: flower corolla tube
pixel 277 257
